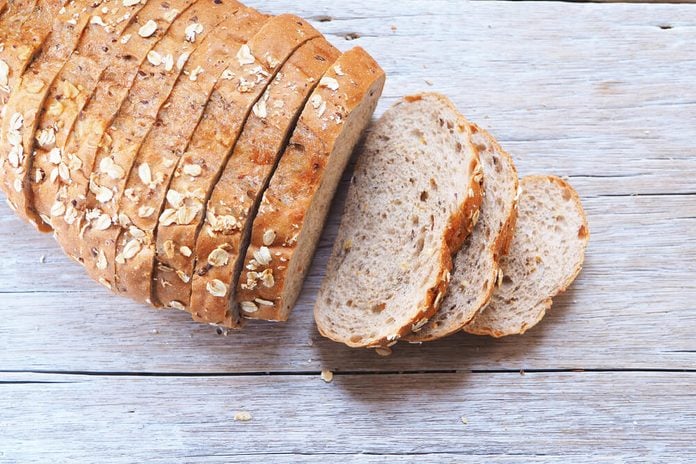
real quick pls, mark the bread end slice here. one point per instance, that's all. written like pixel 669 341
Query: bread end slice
pixel 546 256
pixel 413 200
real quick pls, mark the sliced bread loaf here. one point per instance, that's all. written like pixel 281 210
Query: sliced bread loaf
pixel 115 159
pixel 546 255
pixel 27 100
pixel 222 243
pixel 166 143
pixel 69 212
pixel 476 266
pixel 293 210
pixel 413 200
pixel 257 64
pixel 67 97
pixel 20 42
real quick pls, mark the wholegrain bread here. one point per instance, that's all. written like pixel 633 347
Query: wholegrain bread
pixel 26 100
pixel 69 215
pixel 114 161
pixel 166 143
pixel 67 97
pixel 293 209
pixel 222 243
pixel 413 199
pixel 545 257
pixel 476 266
pixel 20 42
pixel 258 63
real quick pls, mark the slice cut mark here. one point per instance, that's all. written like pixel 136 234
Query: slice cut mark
pixel 156 78
pixel 230 104
pixel 20 48
pixel 546 256
pixel 166 143
pixel 142 35
pixel 298 197
pixel 476 266
pixel 414 195
pixel 67 97
pixel 222 243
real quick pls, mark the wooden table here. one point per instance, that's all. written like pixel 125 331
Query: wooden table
pixel 602 94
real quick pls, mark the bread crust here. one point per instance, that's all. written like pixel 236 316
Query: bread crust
pixel 38 54
pixel 68 220
pixel 293 205
pixel 439 327
pixel 212 144
pixel 67 97
pixel 482 325
pixel 166 143
pixel 221 247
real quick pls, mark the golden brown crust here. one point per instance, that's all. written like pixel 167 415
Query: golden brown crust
pixel 89 129
pixel 258 63
pixel 326 126
pixel 167 141
pixel 67 97
pixel 220 245
pixel 27 98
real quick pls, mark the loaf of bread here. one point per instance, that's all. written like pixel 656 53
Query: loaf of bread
pixel 130 127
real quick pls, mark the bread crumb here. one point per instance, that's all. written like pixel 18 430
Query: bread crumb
pixel 394 28
pixel 42 259
pixel 242 416
pixel 429 82
pixel 383 351
pixel 327 376
pixel 464 420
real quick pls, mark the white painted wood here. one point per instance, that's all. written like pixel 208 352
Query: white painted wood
pixel 599 93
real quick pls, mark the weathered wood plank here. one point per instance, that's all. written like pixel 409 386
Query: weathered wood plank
pixel 583 417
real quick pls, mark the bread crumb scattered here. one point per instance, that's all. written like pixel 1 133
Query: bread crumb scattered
pixel 242 416
pixel 42 259
pixel 430 83
pixel 464 420
pixel 327 376
pixel 154 332
pixel 383 351
pixel 393 28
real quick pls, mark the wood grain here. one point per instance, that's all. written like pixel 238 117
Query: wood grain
pixel 600 93
pixel 614 415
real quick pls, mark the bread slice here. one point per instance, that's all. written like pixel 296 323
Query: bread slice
pixel 546 256
pixel 258 63
pixel 413 200
pixel 166 143
pixel 68 215
pixel 21 42
pixel 157 77
pixel 26 101
pixel 293 210
pixel 476 266
pixel 222 243
pixel 67 97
